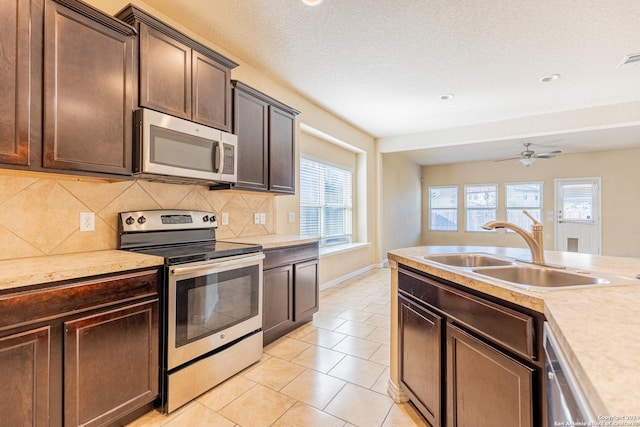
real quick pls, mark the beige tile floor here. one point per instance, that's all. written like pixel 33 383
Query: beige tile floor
pixel 330 372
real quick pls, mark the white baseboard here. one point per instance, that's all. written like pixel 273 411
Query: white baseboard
pixel 340 279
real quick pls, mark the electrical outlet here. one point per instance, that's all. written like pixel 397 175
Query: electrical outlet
pixel 263 218
pixel 256 218
pixel 292 217
pixel 87 221
pixel 225 218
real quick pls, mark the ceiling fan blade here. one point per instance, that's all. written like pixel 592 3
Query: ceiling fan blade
pixel 510 158
pixel 549 155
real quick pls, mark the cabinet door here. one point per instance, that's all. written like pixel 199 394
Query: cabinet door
pixel 88 71
pixel 211 92
pixel 306 294
pixel 24 358
pixel 484 385
pixel 15 81
pixel 420 341
pixel 277 302
pixel 251 125
pixel 111 364
pixel 282 162
pixel 165 73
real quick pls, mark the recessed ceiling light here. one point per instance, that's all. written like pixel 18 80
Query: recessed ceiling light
pixel 312 2
pixel 550 78
pixel 447 96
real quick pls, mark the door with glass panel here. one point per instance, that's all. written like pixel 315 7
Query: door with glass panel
pixel 578 221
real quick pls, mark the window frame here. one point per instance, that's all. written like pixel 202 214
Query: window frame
pixel 467 209
pixel 530 209
pixel 432 209
pixel 347 238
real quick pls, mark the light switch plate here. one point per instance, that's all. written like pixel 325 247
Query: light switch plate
pixel 256 218
pixel 263 218
pixel 292 217
pixel 225 218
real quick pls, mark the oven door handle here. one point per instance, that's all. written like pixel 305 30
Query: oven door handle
pixel 243 260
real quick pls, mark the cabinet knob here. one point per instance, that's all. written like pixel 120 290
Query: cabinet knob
pixel 223 335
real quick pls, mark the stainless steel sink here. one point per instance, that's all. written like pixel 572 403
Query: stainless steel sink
pixel 467 260
pixel 540 277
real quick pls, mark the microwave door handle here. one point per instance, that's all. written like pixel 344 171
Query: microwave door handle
pixel 218 158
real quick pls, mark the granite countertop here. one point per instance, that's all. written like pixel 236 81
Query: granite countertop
pixel 596 327
pixel 22 272
pixel 275 240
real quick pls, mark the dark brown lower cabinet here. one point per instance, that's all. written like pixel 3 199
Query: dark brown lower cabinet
pixel 277 307
pixel 290 289
pixel 421 365
pixel 466 358
pixel 485 386
pixel 110 364
pixel 82 352
pixel 24 374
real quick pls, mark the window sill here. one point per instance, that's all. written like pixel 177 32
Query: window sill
pixel 333 250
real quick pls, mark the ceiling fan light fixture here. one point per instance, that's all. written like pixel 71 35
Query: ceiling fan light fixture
pixel 312 2
pixel 527 161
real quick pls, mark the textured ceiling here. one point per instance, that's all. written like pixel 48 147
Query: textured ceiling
pixel 382 65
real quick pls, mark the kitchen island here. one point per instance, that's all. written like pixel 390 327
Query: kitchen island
pixel 596 326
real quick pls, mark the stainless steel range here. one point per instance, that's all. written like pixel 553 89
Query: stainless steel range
pixel 212 301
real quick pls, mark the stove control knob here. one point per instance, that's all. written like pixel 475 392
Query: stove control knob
pixel 205 218
pixel 142 220
pixel 212 218
pixel 130 220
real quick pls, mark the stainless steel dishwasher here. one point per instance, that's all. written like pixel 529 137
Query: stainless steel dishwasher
pixel 565 400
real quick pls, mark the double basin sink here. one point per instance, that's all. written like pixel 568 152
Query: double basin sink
pixel 515 273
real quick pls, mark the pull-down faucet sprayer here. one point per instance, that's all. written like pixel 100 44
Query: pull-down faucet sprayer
pixel 535 239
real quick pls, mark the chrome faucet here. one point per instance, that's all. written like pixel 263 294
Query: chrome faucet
pixel 533 239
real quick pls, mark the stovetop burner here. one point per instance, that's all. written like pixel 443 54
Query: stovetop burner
pixel 179 236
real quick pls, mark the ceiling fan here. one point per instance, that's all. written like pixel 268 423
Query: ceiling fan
pixel 527 157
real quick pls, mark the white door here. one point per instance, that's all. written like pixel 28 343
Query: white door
pixel 578 222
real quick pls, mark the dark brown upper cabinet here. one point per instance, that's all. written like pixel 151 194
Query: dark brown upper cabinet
pixel 66 79
pixel 266 141
pixel 88 76
pixel 15 81
pixel 179 76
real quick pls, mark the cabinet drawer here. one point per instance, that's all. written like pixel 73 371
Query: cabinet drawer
pixel 511 329
pixel 289 255
pixel 22 308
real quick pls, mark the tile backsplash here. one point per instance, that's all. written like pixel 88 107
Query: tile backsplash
pixel 41 215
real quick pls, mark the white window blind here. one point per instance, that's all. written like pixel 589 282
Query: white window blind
pixel 443 208
pixel 325 202
pixel 520 196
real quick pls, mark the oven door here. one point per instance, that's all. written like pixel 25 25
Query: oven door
pixel 212 304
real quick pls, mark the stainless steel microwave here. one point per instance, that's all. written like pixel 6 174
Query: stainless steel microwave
pixel 170 149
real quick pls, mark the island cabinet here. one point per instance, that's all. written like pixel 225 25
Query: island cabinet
pixel 80 353
pixel 290 289
pixel 66 79
pixel 178 75
pixel 266 141
pixel 468 358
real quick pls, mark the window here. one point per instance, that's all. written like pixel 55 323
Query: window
pixel 577 202
pixel 480 203
pixel 325 202
pixel 520 196
pixel 443 208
